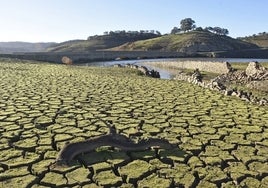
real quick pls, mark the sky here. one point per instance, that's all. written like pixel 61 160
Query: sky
pixel 62 20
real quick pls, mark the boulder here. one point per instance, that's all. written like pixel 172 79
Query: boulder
pixel 66 60
pixel 258 85
pixel 256 71
pixel 117 65
pixel 197 75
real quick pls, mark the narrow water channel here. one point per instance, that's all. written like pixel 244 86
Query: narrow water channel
pixel 169 73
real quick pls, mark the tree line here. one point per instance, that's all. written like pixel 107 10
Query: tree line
pixel 188 24
pixel 131 34
pixel 261 34
pixel 124 32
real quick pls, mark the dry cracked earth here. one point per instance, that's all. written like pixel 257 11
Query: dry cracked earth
pixel 221 141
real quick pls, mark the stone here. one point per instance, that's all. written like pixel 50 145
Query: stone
pixel 118 65
pixel 66 60
pixel 256 71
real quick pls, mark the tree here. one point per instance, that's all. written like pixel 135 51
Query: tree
pixel 157 33
pixel 187 24
pixel 224 31
pixel 218 30
pixel 175 30
pixel 209 29
pixel 199 29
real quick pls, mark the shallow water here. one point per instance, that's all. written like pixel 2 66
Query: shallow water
pixel 168 73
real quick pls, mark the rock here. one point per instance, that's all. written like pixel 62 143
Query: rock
pixel 118 65
pixel 144 70
pixel 228 92
pixel 261 85
pixel 219 84
pixel 263 101
pixel 228 67
pixel 154 74
pixel 128 65
pixel 66 60
pixel 216 85
pixel 252 68
pixel 197 76
pixel 256 71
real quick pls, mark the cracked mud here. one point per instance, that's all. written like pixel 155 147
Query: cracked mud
pixel 222 141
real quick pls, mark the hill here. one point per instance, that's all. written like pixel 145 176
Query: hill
pixel 261 39
pixel 190 42
pixel 12 47
pixel 100 42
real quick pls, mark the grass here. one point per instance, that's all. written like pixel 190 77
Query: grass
pixel 205 40
pixel 243 66
pixel 58 103
pixel 260 40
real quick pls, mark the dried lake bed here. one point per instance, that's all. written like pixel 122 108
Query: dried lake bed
pixel 221 141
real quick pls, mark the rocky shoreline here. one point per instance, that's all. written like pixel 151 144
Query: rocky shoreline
pixel 151 73
pixel 253 77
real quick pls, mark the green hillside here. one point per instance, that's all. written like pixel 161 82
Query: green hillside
pixel 261 39
pixel 195 41
pixel 99 42
pixel 190 42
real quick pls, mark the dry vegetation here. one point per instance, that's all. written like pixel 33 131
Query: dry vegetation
pixel 222 141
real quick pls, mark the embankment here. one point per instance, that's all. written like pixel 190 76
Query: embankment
pixel 260 53
pixel 93 56
pixel 208 66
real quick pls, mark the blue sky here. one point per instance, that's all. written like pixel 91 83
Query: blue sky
pixel 61 20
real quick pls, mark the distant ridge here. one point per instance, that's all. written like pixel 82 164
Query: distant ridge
pixel 189 43
pixel 14 47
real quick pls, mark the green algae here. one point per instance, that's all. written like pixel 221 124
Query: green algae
pixel 27 159
pixel 101 167
pixel 264 182
pixel 181 175
pixel 156 163
pixel 19 182
pixel 78 176
pixel 9 154
pixel 154 181
pixel 54 179
pixel 238 170
pixel 206 184
pixel 41 166
pixel 259 166
pixel 194 162
pixel 135 170
pixel 250 182
pixel 212 174
pixel 107 178
pixel 13 173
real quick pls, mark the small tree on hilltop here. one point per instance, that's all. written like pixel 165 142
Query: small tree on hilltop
pixel 187 24
pixel 175 30
pixel 218 30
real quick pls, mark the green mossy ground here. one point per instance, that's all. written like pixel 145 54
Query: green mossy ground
pixel 221 141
